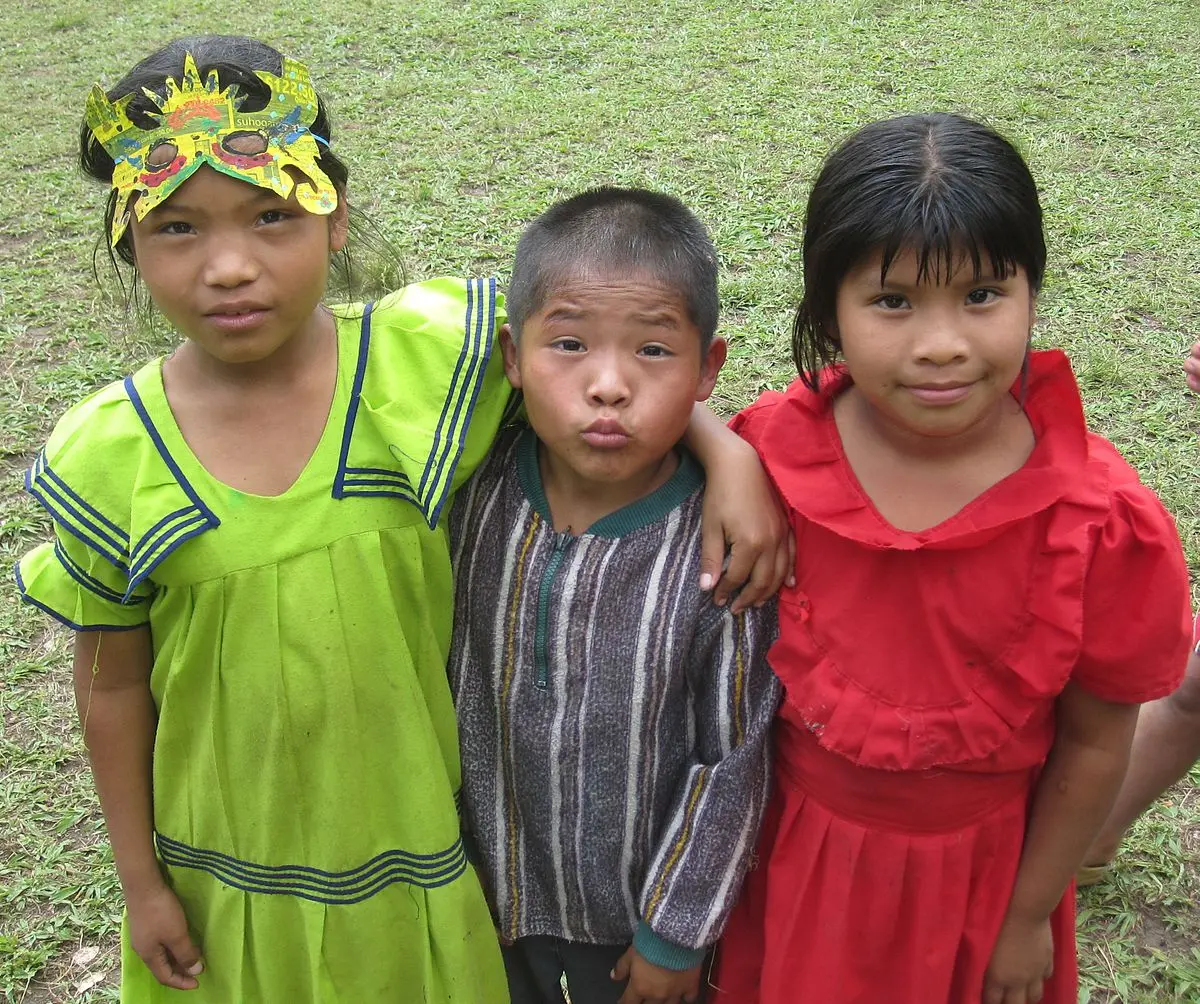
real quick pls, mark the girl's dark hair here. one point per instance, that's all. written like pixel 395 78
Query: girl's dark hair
pixel 235 58
pixel 944 186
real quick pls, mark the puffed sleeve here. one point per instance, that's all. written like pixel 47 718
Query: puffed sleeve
pixel 84 480
pixel 78 587
pixel 750 422
pixel 1137 603
pixel 430 393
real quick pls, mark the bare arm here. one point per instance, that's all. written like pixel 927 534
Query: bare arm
pixel 741 510
pixel 116 709
pixel 1077 788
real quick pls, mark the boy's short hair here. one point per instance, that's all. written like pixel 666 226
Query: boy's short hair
pixel 629 230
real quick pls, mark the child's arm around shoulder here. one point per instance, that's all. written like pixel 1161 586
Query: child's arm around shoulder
pixel 742 514
pixel 706 844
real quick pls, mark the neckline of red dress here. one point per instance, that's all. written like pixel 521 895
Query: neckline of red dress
pixel 805 457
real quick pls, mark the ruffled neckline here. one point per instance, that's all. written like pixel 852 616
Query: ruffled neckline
pixel 805 457
pixel 831 686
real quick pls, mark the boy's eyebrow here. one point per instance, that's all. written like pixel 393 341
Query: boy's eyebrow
pixel 565 312
pixel 658 318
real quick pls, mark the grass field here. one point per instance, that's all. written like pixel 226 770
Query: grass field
pixel 460 121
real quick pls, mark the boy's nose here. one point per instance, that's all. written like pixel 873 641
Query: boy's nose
pixel 608 384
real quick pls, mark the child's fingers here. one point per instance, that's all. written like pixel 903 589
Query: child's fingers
pixel 712 554
pixel 993 993
pixel 165 969
pixel 186 955
pixel 620 972
pixel 770 572
pixel 756 580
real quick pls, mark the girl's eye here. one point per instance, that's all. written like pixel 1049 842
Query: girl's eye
pixel 175 227
pixel 567 345
pixel 892 301
pixel 980 296
pixel 273 216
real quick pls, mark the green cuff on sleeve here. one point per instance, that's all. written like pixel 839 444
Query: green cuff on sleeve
pixel 660 952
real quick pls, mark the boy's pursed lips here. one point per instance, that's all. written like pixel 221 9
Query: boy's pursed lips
pixel 606 433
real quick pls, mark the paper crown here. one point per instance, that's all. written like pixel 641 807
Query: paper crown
pixel 199 123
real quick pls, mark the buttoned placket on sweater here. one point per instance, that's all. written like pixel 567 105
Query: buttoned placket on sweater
pixel 613 722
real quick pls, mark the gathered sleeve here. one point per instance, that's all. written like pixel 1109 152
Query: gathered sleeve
pixel 79 588
pixel 705 846
pixel 751 421
pixel 1137 603
pixel 82 479
pixel 430 394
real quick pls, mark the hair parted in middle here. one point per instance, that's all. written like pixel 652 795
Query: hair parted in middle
pixel 631 231
pixel 949 189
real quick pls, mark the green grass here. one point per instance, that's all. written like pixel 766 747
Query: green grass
pixel 461 121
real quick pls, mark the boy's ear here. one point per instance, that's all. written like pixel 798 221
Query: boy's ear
pixel 710 368
pixel 508 345
pixel 339 224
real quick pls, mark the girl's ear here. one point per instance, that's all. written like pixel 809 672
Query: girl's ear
pixel 339 224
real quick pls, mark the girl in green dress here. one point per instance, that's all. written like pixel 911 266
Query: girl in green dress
pixel 249 544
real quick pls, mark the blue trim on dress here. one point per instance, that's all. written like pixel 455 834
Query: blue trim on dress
pixel 463 352
pixel 151 552
pixel 199 518
pixel 427 871
pixel 476 352
pixel 43 466
pixel 449 438
pixel 64 620
pixel 377 470
pixel 360 372
pixel 65 506
pixel 90 582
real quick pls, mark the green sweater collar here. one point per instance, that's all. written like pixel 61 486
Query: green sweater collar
pixel 687 478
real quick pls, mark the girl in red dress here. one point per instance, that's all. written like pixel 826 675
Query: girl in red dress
pixel 984 594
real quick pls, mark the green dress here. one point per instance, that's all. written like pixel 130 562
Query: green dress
pixel 306 764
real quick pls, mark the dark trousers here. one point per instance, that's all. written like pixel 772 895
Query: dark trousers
pixel 536 966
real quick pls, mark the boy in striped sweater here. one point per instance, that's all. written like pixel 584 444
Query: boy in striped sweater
pixel 613 719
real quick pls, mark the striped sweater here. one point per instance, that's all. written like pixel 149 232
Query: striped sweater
pixel 613 721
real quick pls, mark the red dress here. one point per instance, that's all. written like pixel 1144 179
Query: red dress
pixel 921 671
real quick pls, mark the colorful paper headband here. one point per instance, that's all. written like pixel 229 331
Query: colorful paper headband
pixel 200 124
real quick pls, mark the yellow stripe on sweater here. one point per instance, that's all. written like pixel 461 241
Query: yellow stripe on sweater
pixel 739 679
pixel 510 669
pixel 681 841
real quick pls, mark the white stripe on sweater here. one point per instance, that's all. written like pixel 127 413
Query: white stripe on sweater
pixel 558 677
pixel 638 724
pixel 719 902
pixel 496 672
pixel 582 880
